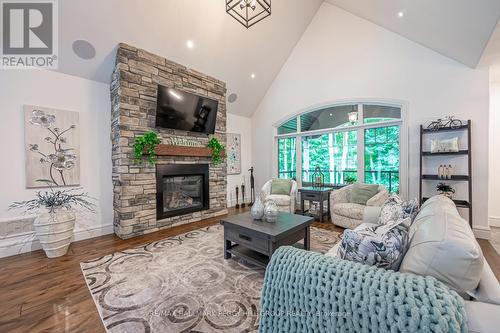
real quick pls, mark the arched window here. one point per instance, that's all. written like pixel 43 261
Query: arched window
pixel 349 142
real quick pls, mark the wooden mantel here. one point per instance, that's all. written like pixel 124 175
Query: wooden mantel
pixel 176 150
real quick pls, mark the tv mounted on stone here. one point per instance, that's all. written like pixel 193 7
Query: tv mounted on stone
pixel 177 109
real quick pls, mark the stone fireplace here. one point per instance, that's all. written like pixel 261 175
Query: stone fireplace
pixel 178 189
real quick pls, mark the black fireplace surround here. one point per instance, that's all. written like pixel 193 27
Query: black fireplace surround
pixel 181 189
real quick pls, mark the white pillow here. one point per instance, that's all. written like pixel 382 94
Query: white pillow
pixel 448 145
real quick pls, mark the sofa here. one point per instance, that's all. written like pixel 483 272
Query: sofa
pixel 443 274
pixel 347 214
pixel 285 203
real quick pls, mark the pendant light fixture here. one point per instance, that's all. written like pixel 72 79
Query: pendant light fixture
pixel 248 12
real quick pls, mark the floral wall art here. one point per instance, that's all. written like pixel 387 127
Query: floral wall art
pixel 233 154
pixel 52 147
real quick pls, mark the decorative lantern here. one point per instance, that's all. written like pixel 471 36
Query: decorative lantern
pixel 318 177
pixel 248 12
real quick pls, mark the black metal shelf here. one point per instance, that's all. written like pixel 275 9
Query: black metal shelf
pixel 454 177
pixel 464 152
pixel 460 152
pixel 447 129
pixel 458 203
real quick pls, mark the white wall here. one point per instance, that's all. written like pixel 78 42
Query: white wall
pixel 240 125
pixel 494 181
pixel 60 91
pixel 342 57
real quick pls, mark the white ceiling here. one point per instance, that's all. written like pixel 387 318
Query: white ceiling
pixel 458 29
pixel 223 48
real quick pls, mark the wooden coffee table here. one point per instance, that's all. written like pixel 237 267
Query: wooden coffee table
pixel 256 240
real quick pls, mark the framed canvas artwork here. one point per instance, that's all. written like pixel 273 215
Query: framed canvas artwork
pixel 233 154
pixel 52 144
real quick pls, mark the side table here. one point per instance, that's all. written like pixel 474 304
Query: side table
pixel 316 194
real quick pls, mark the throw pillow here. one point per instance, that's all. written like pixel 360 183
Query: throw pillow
pixel 395 209
pixel 376 246
pixel 281 186
pixel 361 193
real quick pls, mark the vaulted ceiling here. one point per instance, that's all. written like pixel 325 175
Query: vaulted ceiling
pixel 458 29
pixel 223 48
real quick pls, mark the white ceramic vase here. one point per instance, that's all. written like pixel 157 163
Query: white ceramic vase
pixel 55 230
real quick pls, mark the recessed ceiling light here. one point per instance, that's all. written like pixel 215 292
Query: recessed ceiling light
pixel 190 44
pixel 252 76
pixel 401 14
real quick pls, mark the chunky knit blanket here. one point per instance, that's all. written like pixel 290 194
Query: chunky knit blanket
pixel 309 292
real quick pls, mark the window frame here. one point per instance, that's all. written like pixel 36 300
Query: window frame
pixel 360 128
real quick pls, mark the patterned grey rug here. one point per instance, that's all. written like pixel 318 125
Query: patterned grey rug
pixel 181 284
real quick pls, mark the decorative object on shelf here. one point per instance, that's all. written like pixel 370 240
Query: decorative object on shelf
pixel 257 210
pixel 448 122
pixel 443 172
pixel 270 211
pixel 445 190
pixel 444 146
pixel 52 147
pixel 237 199
pixel 318 177
pixel 54 227
pixel 243 204
pixel 252 187
pixel 146 144
pixel 248 12
pixel 350 180
pixel 233 154
pixel 449 172
pixel 217 150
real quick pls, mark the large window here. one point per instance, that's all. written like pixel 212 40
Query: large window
pixel 348 143
pixel 334 153
pixel 287 158
pixel 382 157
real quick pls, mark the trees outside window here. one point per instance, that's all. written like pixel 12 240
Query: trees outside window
pixel 287 158
pixel 365 147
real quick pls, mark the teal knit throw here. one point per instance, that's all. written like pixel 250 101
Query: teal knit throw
pixel 309 292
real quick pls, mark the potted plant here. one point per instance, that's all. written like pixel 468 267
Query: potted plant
pixel 54 226
pixel 217 150
pixel 350 180
pixel 445 190
pixel 146 143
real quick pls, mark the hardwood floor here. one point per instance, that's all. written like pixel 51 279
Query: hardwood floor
pixel 38 294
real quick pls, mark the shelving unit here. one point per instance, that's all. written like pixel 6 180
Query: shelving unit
pixel 455 178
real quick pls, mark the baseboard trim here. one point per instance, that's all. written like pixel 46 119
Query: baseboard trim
pixel 27 242
pixel 494 221
pixel 482 232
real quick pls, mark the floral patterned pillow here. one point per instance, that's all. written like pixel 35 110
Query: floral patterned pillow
pixel 375 245
pixel 395 209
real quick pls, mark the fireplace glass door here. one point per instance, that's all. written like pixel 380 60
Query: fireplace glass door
pixel 182 192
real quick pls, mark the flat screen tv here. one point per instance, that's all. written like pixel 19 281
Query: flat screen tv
pixel 181 110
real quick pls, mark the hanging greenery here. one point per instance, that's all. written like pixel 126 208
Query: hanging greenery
pixel 217 150
pixel 146 142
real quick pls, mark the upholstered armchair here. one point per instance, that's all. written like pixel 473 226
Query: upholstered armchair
pixel 285 203
pixel 346 214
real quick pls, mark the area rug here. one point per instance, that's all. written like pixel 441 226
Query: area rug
pixel 181 284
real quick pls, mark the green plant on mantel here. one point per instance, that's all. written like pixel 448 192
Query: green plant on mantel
pixel 217 150
pixel 146 142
